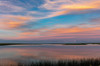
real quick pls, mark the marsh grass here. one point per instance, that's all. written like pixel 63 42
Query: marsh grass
pixel 83 62
pixel 80 43
pixel 7 44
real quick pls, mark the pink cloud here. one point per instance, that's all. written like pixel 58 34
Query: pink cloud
pixel 12 21
pixel 60 33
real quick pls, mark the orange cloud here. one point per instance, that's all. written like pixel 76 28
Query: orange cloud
pixel 83 5
pixel 73 30
pixel 59 33
pixel 65 7
pixel 14 24
pixel 12 21
pixel 17 17
pixel 76 6
pixel 54 33
pixel 28 33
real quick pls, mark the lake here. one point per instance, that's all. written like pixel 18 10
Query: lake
pixel 27 53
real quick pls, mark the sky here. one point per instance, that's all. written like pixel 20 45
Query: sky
pixel 44 21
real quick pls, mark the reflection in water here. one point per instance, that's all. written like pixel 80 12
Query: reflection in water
pixel 10 54
pixel 8 62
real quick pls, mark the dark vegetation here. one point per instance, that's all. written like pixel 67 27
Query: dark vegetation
pixel 83 62
pixel 75 44
pixel 80 43
pixel 4 44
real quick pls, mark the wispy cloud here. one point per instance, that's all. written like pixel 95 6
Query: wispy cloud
pixel 12 21
pixel 6 7
pixel 61 7
pixel 61 32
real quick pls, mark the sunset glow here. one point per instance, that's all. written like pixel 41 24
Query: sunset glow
pixel 49 21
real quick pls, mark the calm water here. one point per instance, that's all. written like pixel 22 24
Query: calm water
pixel 22 53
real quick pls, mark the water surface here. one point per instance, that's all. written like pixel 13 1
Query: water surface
pixel 23 53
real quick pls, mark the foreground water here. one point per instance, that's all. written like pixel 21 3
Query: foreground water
pixel 28 53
